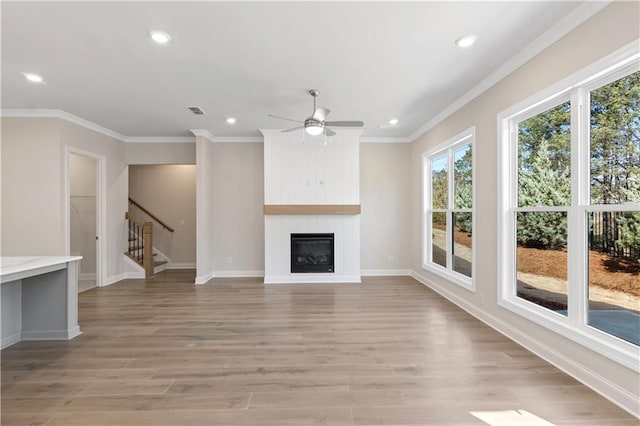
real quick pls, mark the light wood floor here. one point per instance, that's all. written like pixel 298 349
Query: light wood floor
pixel 387 352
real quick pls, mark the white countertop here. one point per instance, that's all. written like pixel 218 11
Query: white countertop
pixel 11 265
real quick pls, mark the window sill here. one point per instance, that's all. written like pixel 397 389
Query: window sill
pixel 455 278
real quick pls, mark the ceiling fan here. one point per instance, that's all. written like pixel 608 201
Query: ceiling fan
pixel 317 124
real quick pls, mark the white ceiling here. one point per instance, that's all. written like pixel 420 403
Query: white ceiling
pixel 371 61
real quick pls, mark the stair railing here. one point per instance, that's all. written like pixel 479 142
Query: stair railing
pixel 151 215
pixel 140 248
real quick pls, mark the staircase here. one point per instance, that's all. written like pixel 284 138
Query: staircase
pixel 140 244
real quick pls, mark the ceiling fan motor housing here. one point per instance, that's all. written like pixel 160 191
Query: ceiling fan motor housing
pixel 311 122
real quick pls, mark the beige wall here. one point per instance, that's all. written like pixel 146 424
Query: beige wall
pixel 614 27
pixel 385 226
pixel 169 192
pixel 33 158
pixel 32 189
pixel 161 153
pixel 238 198
pixel 238 221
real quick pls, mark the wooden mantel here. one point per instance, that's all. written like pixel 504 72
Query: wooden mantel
pixel 311 209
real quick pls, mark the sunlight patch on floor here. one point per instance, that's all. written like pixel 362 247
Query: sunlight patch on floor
pixel 510 418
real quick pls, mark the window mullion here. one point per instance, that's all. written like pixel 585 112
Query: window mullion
pixel 427 207
pixel 574 293
pixel 450 206
pixel 513 204
pixel 584 199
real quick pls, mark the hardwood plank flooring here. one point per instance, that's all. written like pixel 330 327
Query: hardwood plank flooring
pixel 235 352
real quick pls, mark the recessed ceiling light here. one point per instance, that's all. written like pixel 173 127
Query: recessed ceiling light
pixel 34 78
pixel 231 120
pixel 393 121
pixel 160 37
pixel 466 41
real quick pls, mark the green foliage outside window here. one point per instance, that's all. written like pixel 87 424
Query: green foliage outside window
pixel 543 177
pixel 463 188
pixel 544 145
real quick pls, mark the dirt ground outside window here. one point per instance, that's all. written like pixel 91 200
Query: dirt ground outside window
pixel 614 283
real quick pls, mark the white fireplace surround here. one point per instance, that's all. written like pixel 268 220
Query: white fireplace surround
pixel 304 170
pixel 278 230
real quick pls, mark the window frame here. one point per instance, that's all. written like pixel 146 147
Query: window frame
pixel 467 137
pixel 575 88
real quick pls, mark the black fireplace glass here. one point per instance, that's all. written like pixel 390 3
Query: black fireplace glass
pixel 312 253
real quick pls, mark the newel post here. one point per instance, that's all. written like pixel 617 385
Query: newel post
pixel 147 250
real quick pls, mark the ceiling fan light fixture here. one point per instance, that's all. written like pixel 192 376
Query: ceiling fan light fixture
pixel 314 129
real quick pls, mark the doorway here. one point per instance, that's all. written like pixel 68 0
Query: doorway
pixel 84 219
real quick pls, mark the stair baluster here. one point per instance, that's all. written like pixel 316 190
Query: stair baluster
pixel 140 247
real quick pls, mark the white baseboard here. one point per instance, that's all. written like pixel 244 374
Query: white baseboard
pixel 124 276
pixel 113 279
pixel 87 276
pixel 51 334
pixel 182 266
pixel 313 279
pixel 203 279
pixel 384 272
pixel 10 340
pixel 133 276
pixel 239 274
pixel 591 379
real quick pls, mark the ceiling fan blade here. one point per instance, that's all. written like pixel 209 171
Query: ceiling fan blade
pixel 329 132
pixel 345 123
pixel 292 129
pixel 320 114
pixel 284 118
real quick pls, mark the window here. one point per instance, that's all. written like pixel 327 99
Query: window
pixel 448 209
pixel 570 209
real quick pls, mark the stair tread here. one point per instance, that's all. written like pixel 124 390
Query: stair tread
pixel 155 262
pixel 132 249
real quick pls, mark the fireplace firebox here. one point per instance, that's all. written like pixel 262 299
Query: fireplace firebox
pixel 312 253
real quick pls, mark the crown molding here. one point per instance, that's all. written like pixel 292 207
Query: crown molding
pixel 383 139
pixel 63 115
pixel 160 139
pixel 203 133
pixel 575 18
pixel 238 139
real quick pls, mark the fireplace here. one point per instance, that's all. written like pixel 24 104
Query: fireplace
pixel 312 253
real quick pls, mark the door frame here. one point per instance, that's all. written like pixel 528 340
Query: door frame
pixel 101 209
